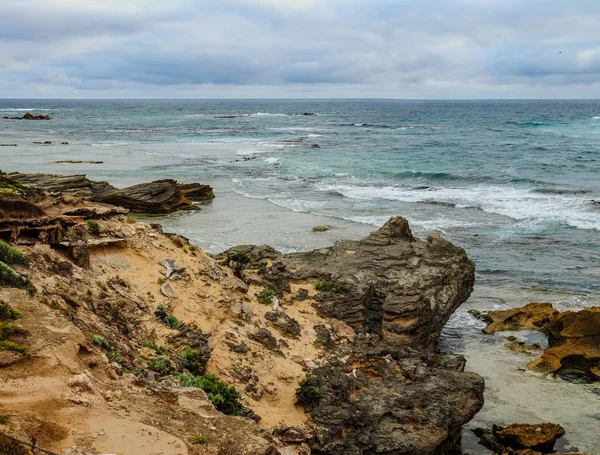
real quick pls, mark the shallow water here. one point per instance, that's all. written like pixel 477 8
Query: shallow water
pixel 513 182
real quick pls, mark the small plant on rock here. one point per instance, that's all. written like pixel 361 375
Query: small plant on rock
pixel 101 342
pixel 11 255
pixel 308 393
pixel 10 447
pixel 225 399
pixel 237 261
pixel 10 346
pixel 191 361
pixel 5 419
pixel 266 297
pixel 93 227
pixel 200 439
pixel 162 365
pixel 155 347
pixel 329 286
pixel 7 312
pixel 161 280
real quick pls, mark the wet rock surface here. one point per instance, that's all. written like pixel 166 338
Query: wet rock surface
pixel 573 337
pixel 521 438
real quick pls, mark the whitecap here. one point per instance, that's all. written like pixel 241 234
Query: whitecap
pixel 24 109
pixel 271 160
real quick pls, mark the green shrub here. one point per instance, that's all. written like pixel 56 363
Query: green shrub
pixel 10 346
pixel 191 361
pixel 266 297
pixel 157 349
pixel 174 323
pixel 161 280
pixel 7 312
pixel 8 330
pixel 11 187
pixel 225 399
pixel 93 227
pixel 162 365
pixel 114 357
pixel 101 342
pixel 10 447
pixel 161 312
pixel 308 393
pixel 10 255
pixel 168 319
pixel 200 439
pixel 329 286
pixel 11 278
pixel 237 261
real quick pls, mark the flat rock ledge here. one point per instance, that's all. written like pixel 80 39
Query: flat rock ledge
pixel 160 196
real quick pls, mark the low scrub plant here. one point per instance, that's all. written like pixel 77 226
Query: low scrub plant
pixel 10 346
pixel 329 286
pixel 10 447
pixel 266 297
pixel 168 319
pixel 93 227
pixel 10 255
pixel 191 361
pixel 101 342
pixel 237 261
pixel 162 365
pixel 154 347
pixel 225 399
pixel 7 312
pixel 8 330
pixel 10 186
pixel 308 393
pixel 200 439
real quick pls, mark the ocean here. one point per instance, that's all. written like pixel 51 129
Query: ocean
pixel 513 182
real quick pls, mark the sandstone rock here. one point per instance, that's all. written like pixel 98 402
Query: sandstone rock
pixel 284 323
pixel 168 291
pixel 540 437
pixel 574 339
pixel 81 382
pixel 532 317
pixel 266 338
pixel 79 250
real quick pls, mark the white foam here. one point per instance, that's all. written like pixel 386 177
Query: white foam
pixel 298 205
pixel 23 109
pixel 513 202
pixel 271 160
pixel 596 117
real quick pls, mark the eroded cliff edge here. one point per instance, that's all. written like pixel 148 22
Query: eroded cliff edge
pixel 110 302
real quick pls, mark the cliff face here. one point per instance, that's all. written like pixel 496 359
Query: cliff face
pixel 109 337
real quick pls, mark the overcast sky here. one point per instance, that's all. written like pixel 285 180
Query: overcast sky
pixel 300 48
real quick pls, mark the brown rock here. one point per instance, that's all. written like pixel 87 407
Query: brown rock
pixel 540 437
pixel 574 339
pixel 530 317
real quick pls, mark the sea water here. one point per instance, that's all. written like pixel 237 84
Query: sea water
pixel 513 182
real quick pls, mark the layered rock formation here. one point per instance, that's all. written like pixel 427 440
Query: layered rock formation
pixel 573 336
pixel 160 196
pixel 387 392
pixel 333 349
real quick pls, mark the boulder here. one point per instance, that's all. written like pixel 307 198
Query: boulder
pixel 390 284
pixel 530 317
pixel 320 229
pixel 30 116
pixel 540 437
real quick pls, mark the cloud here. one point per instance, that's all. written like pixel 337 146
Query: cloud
pixel 359 48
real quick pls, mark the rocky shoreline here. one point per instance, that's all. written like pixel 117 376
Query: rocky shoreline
pixel 149 344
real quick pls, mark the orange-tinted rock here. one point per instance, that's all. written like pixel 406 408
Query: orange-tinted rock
pixel 530 317
pixel 574 339
pixel 539 437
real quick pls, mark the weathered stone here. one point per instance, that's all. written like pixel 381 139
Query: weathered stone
pixel 541 437
pixel 284 323
pixel 530 317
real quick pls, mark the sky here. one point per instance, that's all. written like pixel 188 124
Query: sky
pixel 411 49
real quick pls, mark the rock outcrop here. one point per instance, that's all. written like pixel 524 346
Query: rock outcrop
pixel 521 438
pixel 341 360
pixel 30 116
pixel 573 336
pixel 387 392
pixel 160 196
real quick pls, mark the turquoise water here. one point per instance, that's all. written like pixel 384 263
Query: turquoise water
pixel 513 182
